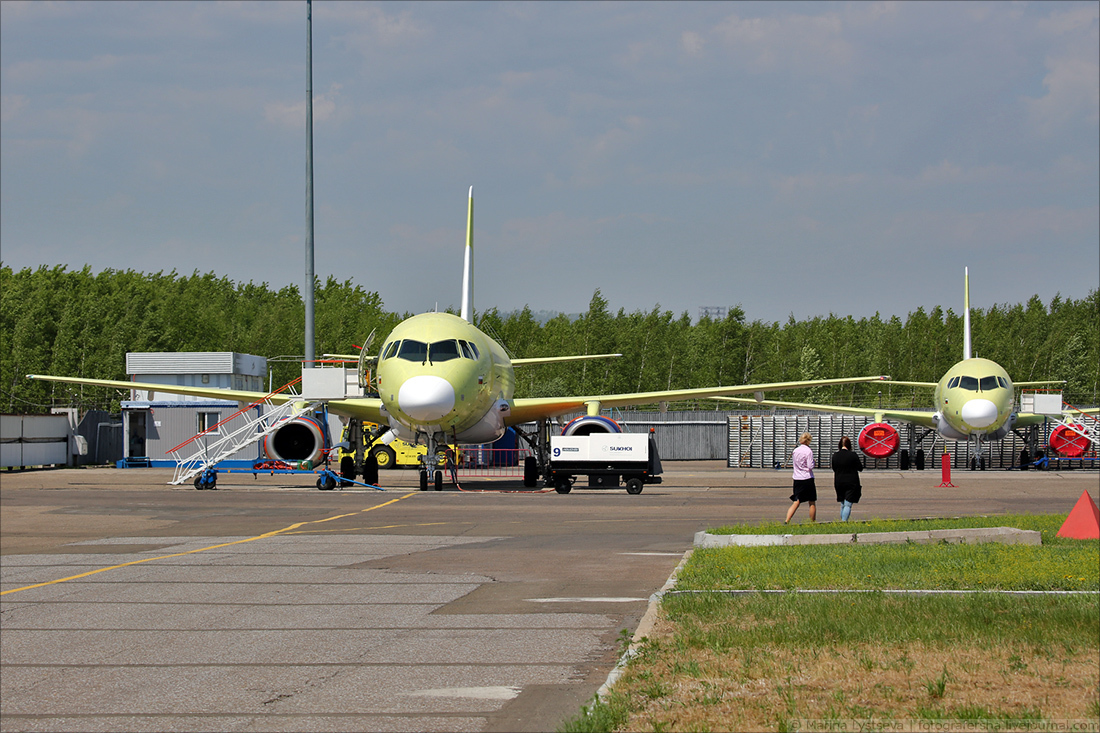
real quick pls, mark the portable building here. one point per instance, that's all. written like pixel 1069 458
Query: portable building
pixel 153 424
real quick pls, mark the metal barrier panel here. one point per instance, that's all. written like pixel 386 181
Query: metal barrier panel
pixel 766 441
pixel 485 462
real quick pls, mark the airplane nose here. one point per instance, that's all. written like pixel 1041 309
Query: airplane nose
pixel 979 413
pixel 426 398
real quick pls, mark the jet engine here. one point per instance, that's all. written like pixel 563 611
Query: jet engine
pixel 300 439
pixel 1067 440
pixel 590 424
pixel 879 440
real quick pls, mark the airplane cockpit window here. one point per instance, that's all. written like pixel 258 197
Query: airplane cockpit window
pixel 989 383
pixel 970 383
pixel 953 383
pixel 466 350
pixel 443 350
pixel 1003 382
pixel 473 348
pixel 390 349
pixel 413 350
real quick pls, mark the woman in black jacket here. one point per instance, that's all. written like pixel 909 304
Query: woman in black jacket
pixel 846 468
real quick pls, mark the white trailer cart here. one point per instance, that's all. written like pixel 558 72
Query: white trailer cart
pixel 613 458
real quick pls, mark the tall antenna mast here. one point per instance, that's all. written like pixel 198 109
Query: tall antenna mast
pixel 966 313
pixel 307 294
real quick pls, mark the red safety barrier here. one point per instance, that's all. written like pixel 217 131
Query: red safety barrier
pixel 945 470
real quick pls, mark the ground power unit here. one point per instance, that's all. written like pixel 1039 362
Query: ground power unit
pixel 608 459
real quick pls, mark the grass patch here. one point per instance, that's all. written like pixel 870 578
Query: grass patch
pixel 1048 524
pixel 1057 564
pixel 769 661
pixel 989 566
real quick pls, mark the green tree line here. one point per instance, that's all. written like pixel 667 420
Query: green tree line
pixel 76 323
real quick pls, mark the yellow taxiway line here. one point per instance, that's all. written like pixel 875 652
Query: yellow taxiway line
pixel 265 535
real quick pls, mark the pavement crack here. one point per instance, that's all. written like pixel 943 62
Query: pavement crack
pixel 278 698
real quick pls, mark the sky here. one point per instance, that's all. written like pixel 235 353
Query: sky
pixel 795 159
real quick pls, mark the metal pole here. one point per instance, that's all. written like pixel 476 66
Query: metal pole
pixel 308 293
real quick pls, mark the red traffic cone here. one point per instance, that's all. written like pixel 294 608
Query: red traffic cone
pixel 1083 522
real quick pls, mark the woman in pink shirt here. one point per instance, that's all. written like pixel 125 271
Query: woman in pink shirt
pixel 804 489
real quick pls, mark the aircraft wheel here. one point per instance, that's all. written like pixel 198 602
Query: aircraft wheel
pixel 347 470
pixel 530 472
pixel 437 479
pixel 370 470
pixel 423 480
pixel 634 486
pixel 385 456
pixel 563 486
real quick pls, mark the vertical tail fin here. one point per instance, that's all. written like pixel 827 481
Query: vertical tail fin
pixel 966 312
pixel 468 265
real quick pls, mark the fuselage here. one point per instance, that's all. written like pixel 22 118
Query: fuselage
pixel 975 397
pixel 439 375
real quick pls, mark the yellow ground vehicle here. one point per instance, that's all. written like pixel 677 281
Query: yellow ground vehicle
pixel 397 453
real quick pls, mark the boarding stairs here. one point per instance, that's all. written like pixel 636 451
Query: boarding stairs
pixel 271 416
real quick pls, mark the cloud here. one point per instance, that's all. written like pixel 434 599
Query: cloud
pixel 11 105
pixel 801 44
pixel 371 27
pixel 1073 92
pixel 1072 81
pixel 692 43
pixel 293 115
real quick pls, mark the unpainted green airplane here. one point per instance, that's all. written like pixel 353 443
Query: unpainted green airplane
pixel 441 380
pixel 973 401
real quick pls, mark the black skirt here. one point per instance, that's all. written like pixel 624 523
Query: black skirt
pixel 804 490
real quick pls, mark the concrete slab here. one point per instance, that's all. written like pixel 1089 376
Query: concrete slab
pixel 405 616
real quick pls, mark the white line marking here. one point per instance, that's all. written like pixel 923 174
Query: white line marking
pixel 479 693
pixel 654 554
pixel 595 599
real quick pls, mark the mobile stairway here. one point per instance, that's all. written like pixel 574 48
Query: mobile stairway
pixel 1076 434
pixel 199 464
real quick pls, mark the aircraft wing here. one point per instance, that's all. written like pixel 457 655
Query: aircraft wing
pixel 1038 384
pixel 527 409
pixel 555 359
pixel 364 408
pixel 918 417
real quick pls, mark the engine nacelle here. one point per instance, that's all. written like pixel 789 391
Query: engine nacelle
pixel 1068 440
pixel 300 439
pixel 589 424
pixel 879 440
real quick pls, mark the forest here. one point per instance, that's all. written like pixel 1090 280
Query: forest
pixel 75 323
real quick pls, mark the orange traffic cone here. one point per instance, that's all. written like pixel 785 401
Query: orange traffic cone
pixel 1083 522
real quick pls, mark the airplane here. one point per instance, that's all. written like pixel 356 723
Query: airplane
pixel 973 401
pixel 441 380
